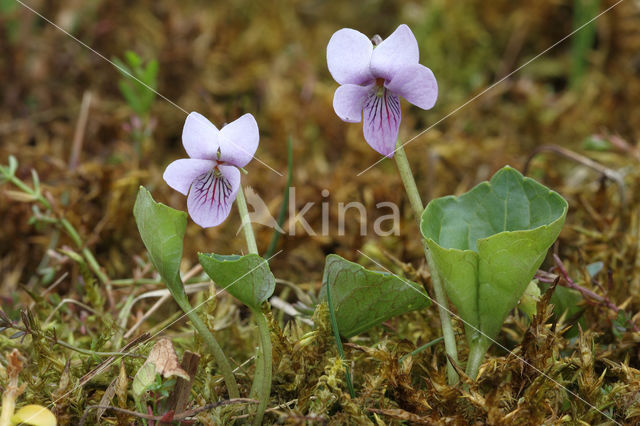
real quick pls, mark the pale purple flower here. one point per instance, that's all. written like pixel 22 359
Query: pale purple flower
pixel 372 78
pixel 211 177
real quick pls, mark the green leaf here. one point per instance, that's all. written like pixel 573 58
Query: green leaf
pixel 143 380
pixel 594 268
pixel 363 299
pixel 150 73
pixel 621 324
pixel 130 95
pixel 566 302
pixel 13 165
pixel 162 230
pixel 284 207
pixel 248 278
pixel 530 298
pixel 133 59
pixel 597 143
pixel 488 243
pixel 124 69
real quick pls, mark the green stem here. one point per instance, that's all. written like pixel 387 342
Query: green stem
pixel 336 335
pixel 86 253
pixel 261 387
pixel 216 350
pixel 445 319
pixel 246 223
pixel 285 202
pixel 476 355
pixel 421 348
pixel 416 203
pixel 146 281
pixel 28 190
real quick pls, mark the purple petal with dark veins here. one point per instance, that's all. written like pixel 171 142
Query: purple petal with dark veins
pixel 212 194
pixel 381 120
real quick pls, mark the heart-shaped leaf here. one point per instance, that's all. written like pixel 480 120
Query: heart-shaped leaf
pixel 162 230
pixel 248 278
pixel 363 299
pixel 488 243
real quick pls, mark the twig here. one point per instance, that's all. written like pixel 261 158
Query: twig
pixel 68 300
pixel 27 328
pixel 126 350
pixel 585 161
pixel 164 295
pixel 238 368
pixel 81 126
pixel 270 410
pixel 603 300
pixel 178 417
pixel 179 397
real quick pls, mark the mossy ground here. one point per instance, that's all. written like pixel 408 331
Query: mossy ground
pixel 268 58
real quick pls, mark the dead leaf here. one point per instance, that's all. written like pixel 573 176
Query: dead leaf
pixel 163 357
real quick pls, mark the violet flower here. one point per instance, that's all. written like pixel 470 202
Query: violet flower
pixel 211 177
pixel 372 78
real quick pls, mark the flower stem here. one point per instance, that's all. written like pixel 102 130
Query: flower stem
pixel 252 247
pixel 476 355
pixel 261 387
pixel 216 350
pixel 416 203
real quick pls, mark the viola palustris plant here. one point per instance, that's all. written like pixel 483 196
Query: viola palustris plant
pixel 502 303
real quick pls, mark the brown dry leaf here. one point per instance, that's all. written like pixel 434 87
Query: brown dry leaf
pixel 14 367
pixel 164 357
pixel 400 414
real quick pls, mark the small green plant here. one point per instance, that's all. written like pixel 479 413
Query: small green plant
pixel 139 82
pixel 8 11
pixel 138 87
pixel 585 35
pixel 34 194
pixel 487 245
pixel 211 180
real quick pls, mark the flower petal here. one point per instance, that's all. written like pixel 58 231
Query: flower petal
pixel 212 194
pixel 381 117
pixel 348 101
pixel 239 140
pixel 417 84
pixel 399 50
pixel 200 137
pixel 181 173
pixel 348 57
